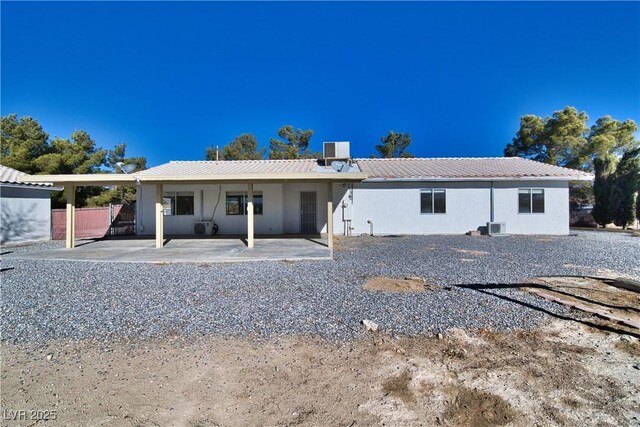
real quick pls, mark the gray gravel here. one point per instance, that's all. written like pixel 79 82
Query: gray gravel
pixel 43 300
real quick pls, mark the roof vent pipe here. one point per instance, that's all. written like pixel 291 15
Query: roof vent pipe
pixel 370 227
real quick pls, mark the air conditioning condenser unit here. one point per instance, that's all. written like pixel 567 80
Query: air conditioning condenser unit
pixel 336 150
pixel 203 228
pixel 496 228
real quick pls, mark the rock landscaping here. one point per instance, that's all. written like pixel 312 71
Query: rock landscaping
pixel 45 300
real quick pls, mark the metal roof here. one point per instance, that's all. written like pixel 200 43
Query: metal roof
pixel 465 168
pixel 204 171
pixel 10 176
pixel 416 169
pixel 239 167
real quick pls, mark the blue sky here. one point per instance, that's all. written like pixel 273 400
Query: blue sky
pixel 169 79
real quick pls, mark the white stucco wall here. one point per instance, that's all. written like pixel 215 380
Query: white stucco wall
pixel 554 220
pixel 25 214
pixel 205 199
pixel 292 205
pixel 394 208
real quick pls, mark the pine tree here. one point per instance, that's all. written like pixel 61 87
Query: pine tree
pixel 605 167
pixel 624 189
pixel 293 144
pixel 394 145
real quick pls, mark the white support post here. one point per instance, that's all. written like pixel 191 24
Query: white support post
pixel 159 217
pixel 71 216
pixel 330 216
pixel 250 216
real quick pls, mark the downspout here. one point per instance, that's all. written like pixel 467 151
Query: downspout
pixel 492 204
pixel 201 205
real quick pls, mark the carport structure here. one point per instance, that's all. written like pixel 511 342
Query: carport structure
pixel 244 173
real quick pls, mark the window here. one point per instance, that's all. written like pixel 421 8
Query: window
pixel 530 200
pixel 178 203
pixel 237 203
pixel 433 201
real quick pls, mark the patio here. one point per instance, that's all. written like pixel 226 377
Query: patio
pixel 180 249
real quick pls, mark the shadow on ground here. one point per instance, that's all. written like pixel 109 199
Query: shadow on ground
pixel 574 315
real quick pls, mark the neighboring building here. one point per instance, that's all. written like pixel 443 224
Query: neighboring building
pixel 388 196
pixel 25 208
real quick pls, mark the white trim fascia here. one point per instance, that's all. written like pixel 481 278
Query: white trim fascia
pixel 31 186
pixel 133 179
pixel 440 179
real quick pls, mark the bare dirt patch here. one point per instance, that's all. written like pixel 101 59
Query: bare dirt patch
pixel 391 284
pixel 478 408
pixel 564 373
pixel 471 252
pixel 399 387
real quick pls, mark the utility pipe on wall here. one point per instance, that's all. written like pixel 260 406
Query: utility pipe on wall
pixel 492 204
pixel 201 205
pixel 370 226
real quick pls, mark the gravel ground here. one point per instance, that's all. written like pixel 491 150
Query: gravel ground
pixel 43 300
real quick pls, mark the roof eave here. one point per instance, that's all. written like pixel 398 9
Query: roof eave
pixel 254 177
pixel 124 179
pixel 483 179
pixel 32 186
pixel 99 179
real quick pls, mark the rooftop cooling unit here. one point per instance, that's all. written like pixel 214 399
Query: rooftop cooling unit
pixel 496 228
pixel 336 150
pixel 203 228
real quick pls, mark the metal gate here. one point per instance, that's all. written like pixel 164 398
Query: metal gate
pixel 308 212
pixel 112 220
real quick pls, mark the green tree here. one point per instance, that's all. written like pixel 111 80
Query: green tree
pixel 21 142
pixel 564 140
pixel 118 162
pixel 243 147
pixel 624 189
pixel 638 204
pixel 293 144
pixel 581 194
pixel 605 167
pixel 76 155
pixel 611 136
pixel 559 140
pixel 25 146
pixel 394 145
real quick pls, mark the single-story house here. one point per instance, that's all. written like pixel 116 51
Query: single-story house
pixel 397 196
pixel 25 207
pixel 380 196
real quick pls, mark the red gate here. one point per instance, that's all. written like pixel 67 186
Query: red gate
pixel 95 222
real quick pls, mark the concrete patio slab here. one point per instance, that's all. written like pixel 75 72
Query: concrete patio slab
pixel 185 250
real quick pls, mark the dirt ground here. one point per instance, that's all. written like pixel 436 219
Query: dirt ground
pixel 562 374
pixel 391 284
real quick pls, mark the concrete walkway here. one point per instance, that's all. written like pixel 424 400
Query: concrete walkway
pixel 185 250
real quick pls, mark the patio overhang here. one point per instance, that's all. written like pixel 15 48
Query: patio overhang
pixel 71 182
